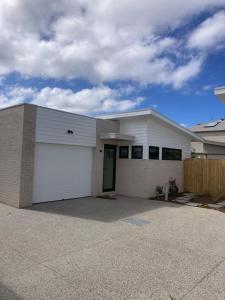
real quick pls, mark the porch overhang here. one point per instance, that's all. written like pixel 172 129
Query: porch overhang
pixel 116 136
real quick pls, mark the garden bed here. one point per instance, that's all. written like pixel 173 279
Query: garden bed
pixel 206 199
pixel 196 200
pixel 170 198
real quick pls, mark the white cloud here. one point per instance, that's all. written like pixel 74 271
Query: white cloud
pixel 100 99
pixel 210 33
pixel 14 96
pixel 183 73
pixel 100 42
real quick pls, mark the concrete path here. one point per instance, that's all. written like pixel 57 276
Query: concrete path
pixel 111 249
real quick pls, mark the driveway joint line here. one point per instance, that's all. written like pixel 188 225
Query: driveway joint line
pixel 203 278
pixel 44 266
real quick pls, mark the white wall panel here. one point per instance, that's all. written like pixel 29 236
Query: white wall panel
pixel 152 132
pixel 52 126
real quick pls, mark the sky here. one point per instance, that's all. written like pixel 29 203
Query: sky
pixel 107 56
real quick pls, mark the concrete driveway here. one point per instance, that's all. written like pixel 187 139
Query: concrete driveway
pixel 111 249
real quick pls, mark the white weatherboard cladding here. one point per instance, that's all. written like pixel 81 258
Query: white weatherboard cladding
pixel 61 172
pixel 152 132
pixel 214 149
pixel 52 126
pixel 162 135
pixel 138 128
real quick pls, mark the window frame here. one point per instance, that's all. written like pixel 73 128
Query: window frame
pixel 166 148
pixel 158 151
pixel 132 153
pixel 123 147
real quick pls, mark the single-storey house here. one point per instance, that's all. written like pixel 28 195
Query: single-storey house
pixel 208 149
pixel 212 133
pixel 213 140
pixel 48 155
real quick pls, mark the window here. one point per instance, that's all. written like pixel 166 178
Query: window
pixel 171 154
pixel 153 152
pixel 137 152
pixel 124 152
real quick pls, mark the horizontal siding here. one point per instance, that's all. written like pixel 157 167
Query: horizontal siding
pixel 165 136
pixel 214 149
pixel 148 131
pixel 52 126
pixel 135 127
pixel 138 128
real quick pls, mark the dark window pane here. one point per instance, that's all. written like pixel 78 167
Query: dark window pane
pixel 137 152
pixel 171 154
pixel 153 152
pixel 123 151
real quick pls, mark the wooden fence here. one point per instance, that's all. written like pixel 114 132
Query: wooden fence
pixel 205 176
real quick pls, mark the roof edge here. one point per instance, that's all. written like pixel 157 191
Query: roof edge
pixel 209 142
pixel 17 105
pixel 152 112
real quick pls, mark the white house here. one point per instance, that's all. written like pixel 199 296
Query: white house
pixel 48 155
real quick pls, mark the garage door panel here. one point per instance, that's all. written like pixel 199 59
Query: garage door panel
pixel 61 172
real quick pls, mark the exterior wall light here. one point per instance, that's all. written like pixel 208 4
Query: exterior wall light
pixel 69 131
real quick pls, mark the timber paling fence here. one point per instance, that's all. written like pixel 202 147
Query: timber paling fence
pixel 206 176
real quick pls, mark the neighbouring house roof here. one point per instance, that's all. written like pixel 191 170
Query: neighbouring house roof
pixel 155 114
pixel 220 93
pixel 218 125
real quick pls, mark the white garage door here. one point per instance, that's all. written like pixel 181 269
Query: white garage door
pixel 61 172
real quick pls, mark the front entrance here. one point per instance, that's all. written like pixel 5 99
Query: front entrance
pixel 109 168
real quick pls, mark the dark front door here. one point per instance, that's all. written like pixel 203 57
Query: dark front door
pixel 109 168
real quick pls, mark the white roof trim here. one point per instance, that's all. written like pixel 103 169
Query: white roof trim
pixel 127 115
pixel 220 93
pixel 151 112
pixel 221 144
pixel 116 136
pixel 219 89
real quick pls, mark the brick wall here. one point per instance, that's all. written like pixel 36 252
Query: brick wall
pixel 27 160
pixel 17 129
pixel 139 177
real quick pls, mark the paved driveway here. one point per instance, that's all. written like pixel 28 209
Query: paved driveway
pixel 111 249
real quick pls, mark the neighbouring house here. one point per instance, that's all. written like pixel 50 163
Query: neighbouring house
pixel 208 149
pixel 213 143
pixel 220 93
pixel 213 135
pixel 48 155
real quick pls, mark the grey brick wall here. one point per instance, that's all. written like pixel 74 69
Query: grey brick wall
pixel 17 131
pixel 27 160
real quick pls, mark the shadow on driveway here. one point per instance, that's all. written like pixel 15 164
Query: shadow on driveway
pixel 100 209
pixel 8 294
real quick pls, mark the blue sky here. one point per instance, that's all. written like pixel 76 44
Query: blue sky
pixel 115 56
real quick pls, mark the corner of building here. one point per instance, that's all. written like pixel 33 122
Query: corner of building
pixel 27 157
pixel 17 132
